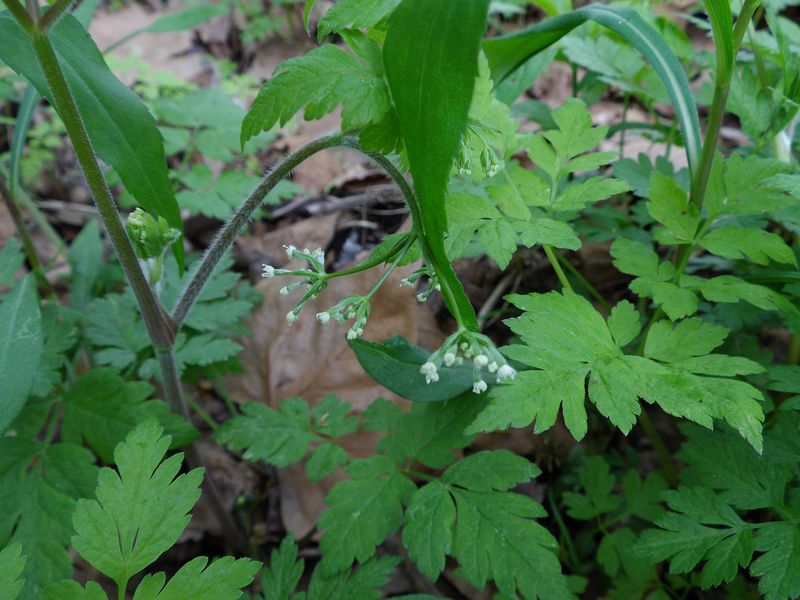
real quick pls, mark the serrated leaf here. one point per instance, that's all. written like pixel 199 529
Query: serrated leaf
pixel 113 324
pixel 72 590
pixel 283 572
pixel 429 433
pixel 122 131
pixel 491 470
pixel 223 579
pixel 324 460
pixel 11 259
pixel 279 437
pixel 319 81
pixel 11 564
pixel 729 288
pixel 359 14
pixel 141 509
pixel 364 583
pixel 566 339
pixel 85 257
pixel 428 529
pixel 20 347
pixel 701 527
pixel 779 566
pixel 669 205
pixel 757 245
pixel 102 409
pixel 362 512
pixel 624 323
pixel 598 483
pixel 38 490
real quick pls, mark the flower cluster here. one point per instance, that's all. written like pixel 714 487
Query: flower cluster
pixel 433 282
pixel 351 307
pixel 315 277
pixel 490 163
pixel 467 345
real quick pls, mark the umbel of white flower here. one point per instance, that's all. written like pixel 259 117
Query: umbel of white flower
pixel 467 345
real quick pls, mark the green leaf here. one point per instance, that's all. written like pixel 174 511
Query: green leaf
pixel 431 60
pixel 283 573
pixel 324 460
pixel 20 347
pixel 428 530
pixel 223 579
pixel 624 323
pixel 669 205
pixel 140 511
pixel 429 433
pixel 38 489
pixel 364 583
pixel 362 512
pixel 358 14
pixel 509 52
pixel 102 409
pixel 701 527
pixel 719 13
pixel 469 514
pixel 72 590
pixel 320 80
pixel 598 482
pixel 11 259
pixel 113 324
pixel 779 566
pixel 395 365
pixel 85 257
pixel 122 131
pixel 757 245
pixel 279 437
pixel 11 564
pixel 729 288
pixel 566 339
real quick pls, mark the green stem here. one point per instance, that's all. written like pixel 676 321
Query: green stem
pixel 161 333
pixel 562 277
pixel 389 270
pixel 584 282
pixel 53 14
pixel 722 86
pixel 24 236
pixel 20 14
pixel 569 547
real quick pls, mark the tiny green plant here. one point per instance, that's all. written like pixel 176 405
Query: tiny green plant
pixel 707 254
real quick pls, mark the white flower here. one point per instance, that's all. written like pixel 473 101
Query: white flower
pixel 319 255
pixel 352 334
pixel 479 386
pixel 429 370
pixel 323 317
pixel 268 271
pixel 285 290
pixel 291 317
pixel 290 250
pixel 449 359
pixel 421 297
pixel 481 361
pixel 506 372
pixel 493 367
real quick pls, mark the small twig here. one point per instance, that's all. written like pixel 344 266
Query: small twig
pixel 494 296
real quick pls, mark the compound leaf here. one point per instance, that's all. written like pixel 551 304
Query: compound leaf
pixel 11 565
pixel 223 579
pixel 141 509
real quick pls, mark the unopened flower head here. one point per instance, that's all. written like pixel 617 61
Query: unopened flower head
pixel 291 250
pixel 506 372
pixel 481 361
pixel 479 386
pixel 449 359
pixel 493 367
pixel 291 316
pixel 323 317
pixel 268 271
pixel 489 162
pixel 429 370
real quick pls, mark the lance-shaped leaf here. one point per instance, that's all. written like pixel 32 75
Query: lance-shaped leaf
pixel 431 60
pixel 121 129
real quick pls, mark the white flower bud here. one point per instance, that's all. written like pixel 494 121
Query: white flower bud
pixel 449 359
pixel 323 317
pixel 285 290
pixel 429 370
pixel 479 386
pixel 291 317
pixel 493 367
pixel 481 361
pixel 290 250
pixel 268 271
pixel 506 372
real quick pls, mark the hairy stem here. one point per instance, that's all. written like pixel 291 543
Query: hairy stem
pixel 562 277
pixel 53 14
pixel 159 329
pixel 20 14
pixel 241 217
